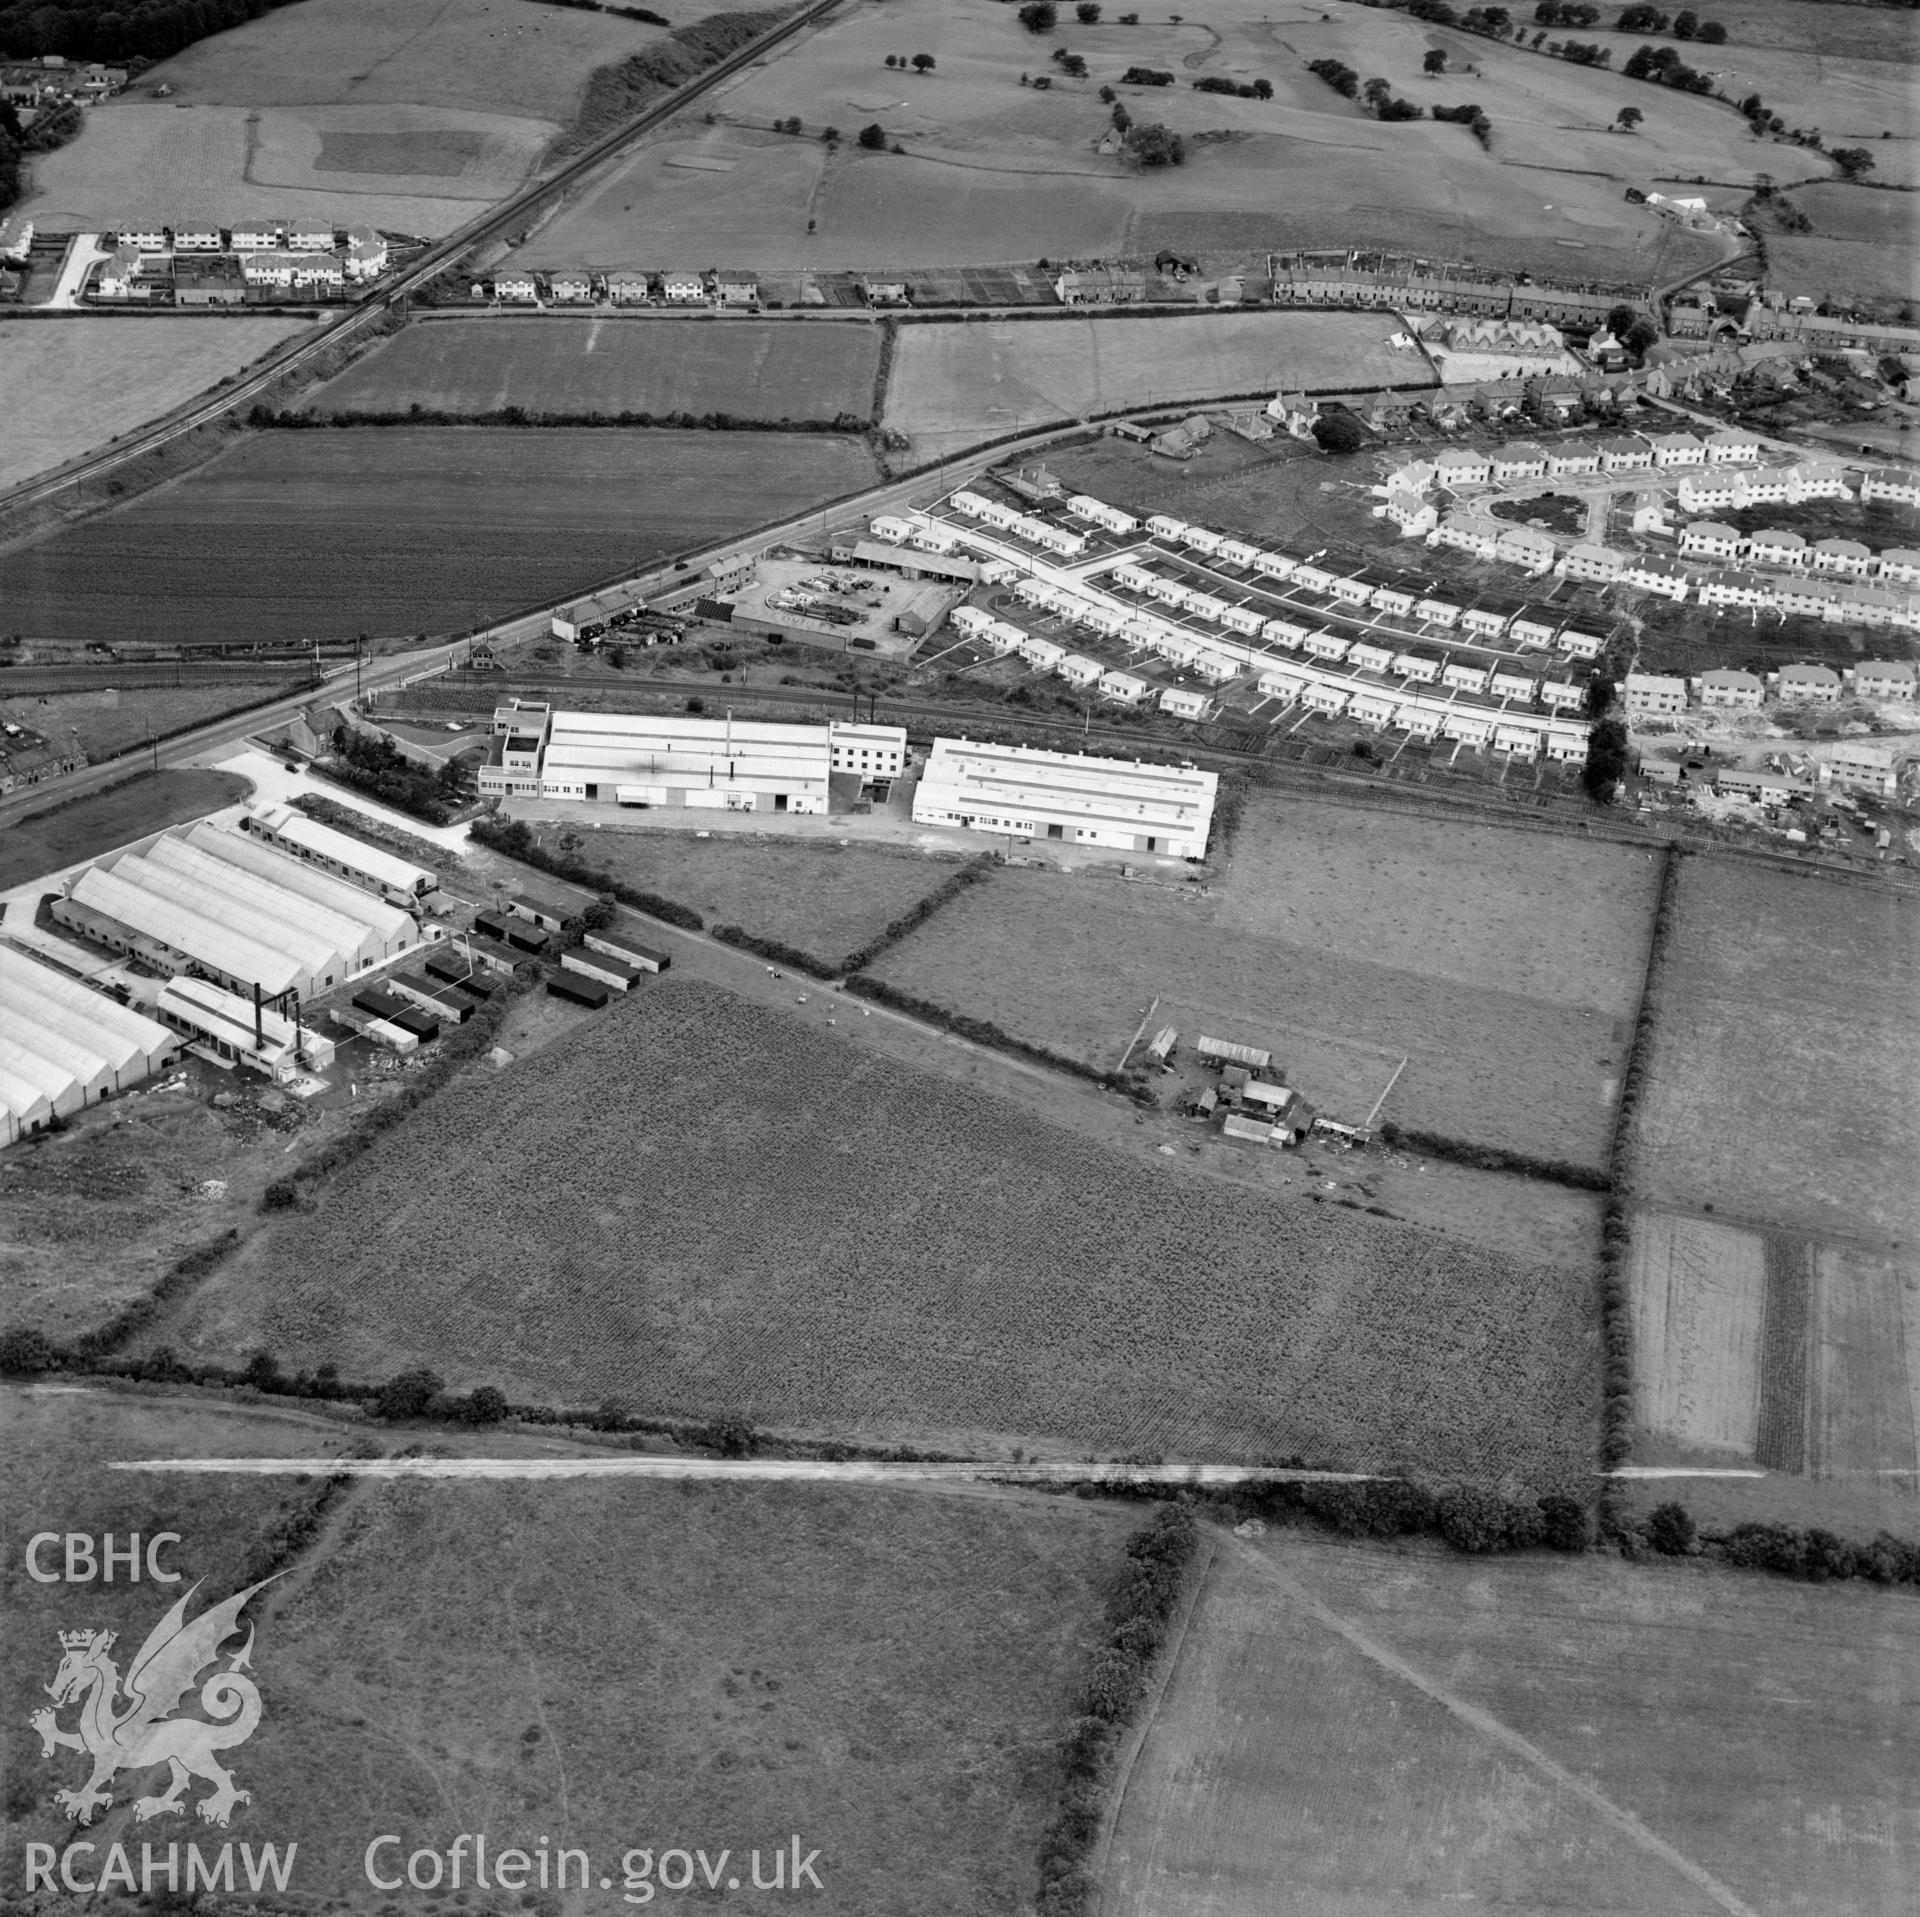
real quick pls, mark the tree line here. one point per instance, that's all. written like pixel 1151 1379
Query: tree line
pixel 110 30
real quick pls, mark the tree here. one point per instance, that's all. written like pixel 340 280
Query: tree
pixel 1156 145
pixel 1686 23
pixel 1711 34
pixel 488 1405
pixel 1641 335
pixel 1566 1525
pixel 892 60
pixel 873 138
pixel 1619 319
pixel 1039 16
pixel 1263 89
pixel 923 63
pixel 1606 759
pixel 1436 61
pixel 25 1352
pixel 1630 117
pixel 1087 12
pixel 1338 433
pixel 1853 161
pixel 1670 1529
pixel 407 1395
pixel 829 136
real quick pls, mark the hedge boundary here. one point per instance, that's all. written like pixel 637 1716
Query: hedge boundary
pixel 512 840
pixel 1497 1158
pixel 362 825
pixel 1160 1557
pixel 981 1031
pixel 289 420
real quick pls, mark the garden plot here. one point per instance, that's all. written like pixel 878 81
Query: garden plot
pixel 799 1232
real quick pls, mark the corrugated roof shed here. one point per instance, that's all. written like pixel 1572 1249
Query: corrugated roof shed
pixel 171 924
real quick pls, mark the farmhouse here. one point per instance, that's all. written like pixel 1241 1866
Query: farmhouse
pixel 1728 687
pixel 1034 794
pixel 1814 685
pixel 1885 679
pixel 1653 692
pixel 65 1045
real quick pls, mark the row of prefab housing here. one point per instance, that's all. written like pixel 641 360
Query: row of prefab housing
pixel 579 287
pixel 234 929
pixel 1471 699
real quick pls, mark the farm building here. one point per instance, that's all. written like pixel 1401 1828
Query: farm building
pixel 579 991
pixel 600 967
pixel 361 864
pixel 539 913
pixel 64 1045
pixel 1034 794
pixel 629 951
pixel 1220 1051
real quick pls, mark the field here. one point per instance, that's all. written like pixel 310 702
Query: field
pixel 1342 942
pixel 1353 1729
pixel 765 370
pixel 51 841
pixel 402 113
pixel 800 1235
pixel 954 385
pixel 1879 274
pixel 603 1666
pixel 322 535
pixel 966 187
pixel 1785 1054
pixel 827 900
pixel 110 721
pixel 67 386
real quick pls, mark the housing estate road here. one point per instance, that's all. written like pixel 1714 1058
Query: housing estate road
pixel 442 253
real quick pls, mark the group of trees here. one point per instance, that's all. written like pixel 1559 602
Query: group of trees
pixel 1337 75
pixel 146 31
pixel 1685 25
pixel 54 127
pixel 1156 145
pixel 1146 77
pixel 920 63
pixel 1243 89
pixel 1472 117
pixel 1566 13
pixel 370 765
pixel 1664 67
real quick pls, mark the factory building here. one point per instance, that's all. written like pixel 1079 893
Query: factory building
pixel 399 881
pixel 1032 794
pixel 736 765
pixel 64 1045
pixel 231 1029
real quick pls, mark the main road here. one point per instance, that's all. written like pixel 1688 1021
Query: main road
pixel 441 254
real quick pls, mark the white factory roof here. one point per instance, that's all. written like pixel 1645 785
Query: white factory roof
pixel 186 931
pixel 356 854
pixel 591 743
pixel 387 922
pixel 331 930
pixel 35 995
pixel 219 900
pixel 214 1009
pixel 1074 783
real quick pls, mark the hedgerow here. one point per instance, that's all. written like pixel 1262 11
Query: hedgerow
pixel 512 838
pixel 286 420
pixel 1458 1151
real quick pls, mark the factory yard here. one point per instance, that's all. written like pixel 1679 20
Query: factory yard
pixel 818 1259
pixel 749 370
pixel 1351 1728
pixel 392 530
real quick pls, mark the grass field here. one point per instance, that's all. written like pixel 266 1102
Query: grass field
pixel 323 535
pixel 108 722
pixel 1785 1055
pixel 952 385
pixel 827 900
pixel 69 386
pixel 767 370
pixel 800 1235
pixel 1341 942
pixel 966 188
pixel 91 826
pixel 1353 1729
pixel 603 1666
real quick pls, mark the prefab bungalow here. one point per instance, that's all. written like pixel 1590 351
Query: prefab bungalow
pixel 1322 698
pixel 1284 632
pixel 1467 726
pixel 1561 694
pixel 1078 670
pixel 1123 687
pixel 1418 721
pixel 1370 656
pixel 1484 622
pixel 1279 683
pixel 1165 526
pixel 1506 683
pixel 1327 645
pixel 1531 627
pixel 1569 747
pixel 1579 642
pixel 1372 708
pixel 1423 667
pixel 1178 703
pixel 1438 612
pixel 1463 676
pixel 1520 741
pixel 1042 654
pixel 1393 599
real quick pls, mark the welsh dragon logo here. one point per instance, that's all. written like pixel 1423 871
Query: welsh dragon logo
pixel 127 1724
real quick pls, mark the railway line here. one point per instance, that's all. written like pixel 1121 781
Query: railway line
pixel 489 225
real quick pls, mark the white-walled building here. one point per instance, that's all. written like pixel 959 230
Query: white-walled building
pixel 1653 692
pixel 1028 793
pixel 1813 685
pixel 1885 679
pixel 1729 687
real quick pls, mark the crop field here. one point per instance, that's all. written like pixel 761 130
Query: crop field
pixel 1785 1055
pixel 391 530
pixel 70 386
pixel 1392 938
pixel 976 145
pixel 604 1666
pixel 827 900
pixel 1353 1728
pixel 799 1235
pixel 765 370
pixel 140 161
pixel 953 385
pixel 52 840
pixel 1825 268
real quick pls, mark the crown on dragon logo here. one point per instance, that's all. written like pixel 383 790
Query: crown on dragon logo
pixel 77 1640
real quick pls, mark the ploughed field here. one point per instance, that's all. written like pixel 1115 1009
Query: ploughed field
pixel 392 530
pixel 1503 966
pixel 691 1202
pixel 767 370
pixel 1354 1728
pixel 600 1666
